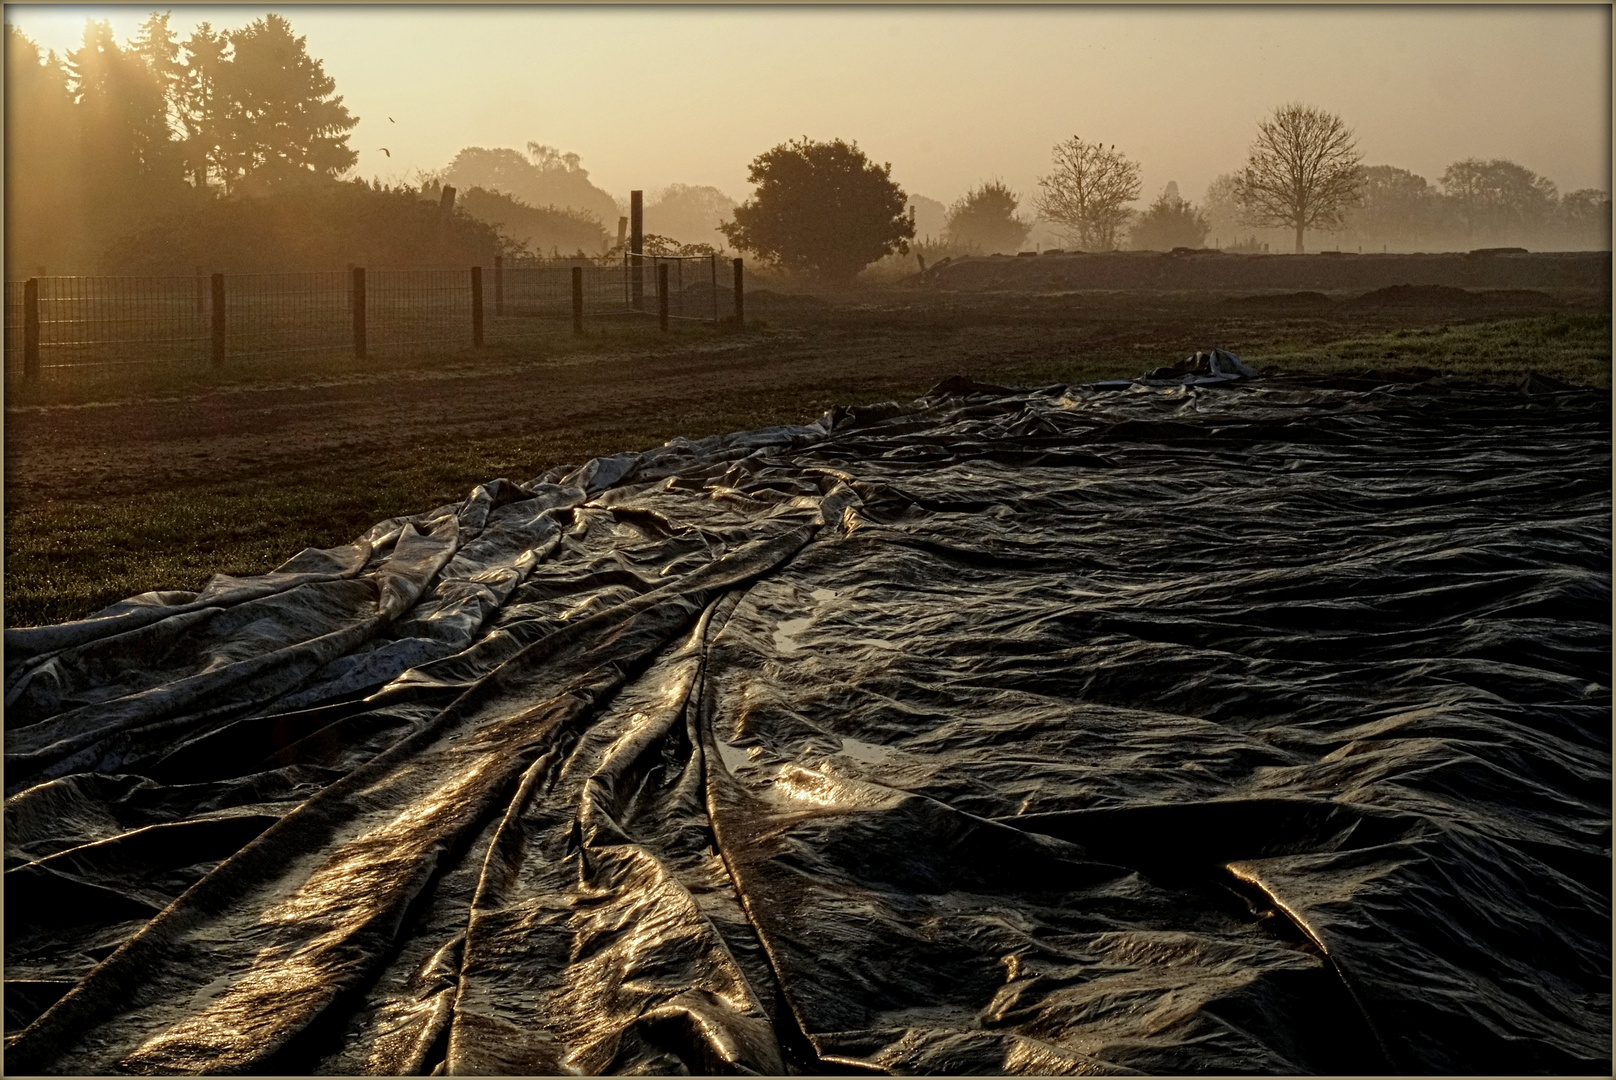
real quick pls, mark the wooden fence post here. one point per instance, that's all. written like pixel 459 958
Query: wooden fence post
pixel 662 294
pixel 218 318
pixel 499 285
pixel 356 304
pixel 577 299
pixel 740 299
pixel 201 292
pixel 636 241
pixel 30 329
pixel 477 307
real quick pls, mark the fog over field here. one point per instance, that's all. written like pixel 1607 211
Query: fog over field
pixel 655 99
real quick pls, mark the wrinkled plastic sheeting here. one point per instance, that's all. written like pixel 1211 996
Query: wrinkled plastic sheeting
pixel 1259 727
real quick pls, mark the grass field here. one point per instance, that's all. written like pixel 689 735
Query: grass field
pixel 155 479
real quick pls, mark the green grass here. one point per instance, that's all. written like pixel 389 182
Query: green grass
pixel 1575 348
pixel 66 560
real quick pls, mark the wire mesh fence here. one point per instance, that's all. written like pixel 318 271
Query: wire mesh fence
pixel 14 327
pixel 542 288
pixel 93 324
pixel 278 314
pixel 408 309
pixel 692 285
pixel 99 322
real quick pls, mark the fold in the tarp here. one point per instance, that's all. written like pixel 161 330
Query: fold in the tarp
pixel 1256 726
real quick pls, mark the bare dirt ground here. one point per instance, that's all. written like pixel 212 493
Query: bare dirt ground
pixel 141 489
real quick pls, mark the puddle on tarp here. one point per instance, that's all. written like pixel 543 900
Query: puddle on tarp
pixel 1261 727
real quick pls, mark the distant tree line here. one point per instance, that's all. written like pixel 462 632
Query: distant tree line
pixel 227 149
pixel 110 138
pixel 1304 175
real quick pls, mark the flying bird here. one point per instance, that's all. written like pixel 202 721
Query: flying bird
pixel 390 120
pixel 386 151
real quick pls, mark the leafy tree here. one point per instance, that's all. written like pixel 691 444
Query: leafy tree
pixel 1498 200
pixel 1584 218
pixel 545 177
pixel 821 208
pixel 690 214
pixel 985 219
pixel 1302 171
pixel 1396 208
pixel 1088 192
pixel 282 114
pixel 1170 222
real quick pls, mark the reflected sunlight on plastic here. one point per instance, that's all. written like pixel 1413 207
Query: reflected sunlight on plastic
pixel 1047 731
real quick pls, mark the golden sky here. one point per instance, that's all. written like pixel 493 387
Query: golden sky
pixel 949 95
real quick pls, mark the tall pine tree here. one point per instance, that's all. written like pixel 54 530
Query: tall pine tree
pixel 282 117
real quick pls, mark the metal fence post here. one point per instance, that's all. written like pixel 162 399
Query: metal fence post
pixel 712 284
pixel 636 259
pixel 740 298
pixel 577 299
pixel 218 318
pixel 662 294
pixel 477 307
pixel 356 304
pixel 499 285
pixel 30 329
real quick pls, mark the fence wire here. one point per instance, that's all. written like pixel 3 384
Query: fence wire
pixel 97 322
pixel 89 324
pixel 692 286
pixel 542 288
pixel 14 317
pixel 409 308
pixel 276 314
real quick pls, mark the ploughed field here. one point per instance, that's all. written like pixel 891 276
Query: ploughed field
pixel 1201 723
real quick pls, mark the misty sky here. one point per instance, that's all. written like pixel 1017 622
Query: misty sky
pixel 949 96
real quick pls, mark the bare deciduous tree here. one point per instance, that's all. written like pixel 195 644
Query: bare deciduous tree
pixel 1088 192
pixel 1301 173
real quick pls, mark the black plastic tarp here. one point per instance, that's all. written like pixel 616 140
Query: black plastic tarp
pixel 1254 727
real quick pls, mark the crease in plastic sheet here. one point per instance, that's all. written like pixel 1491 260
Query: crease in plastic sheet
pixel 1257 726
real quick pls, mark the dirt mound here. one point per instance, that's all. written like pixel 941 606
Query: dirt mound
pixel 1225 271
pixel 1446 296
pixel 1518 298
pixel 780 299
pixel 1418 296
pixel 1294 301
